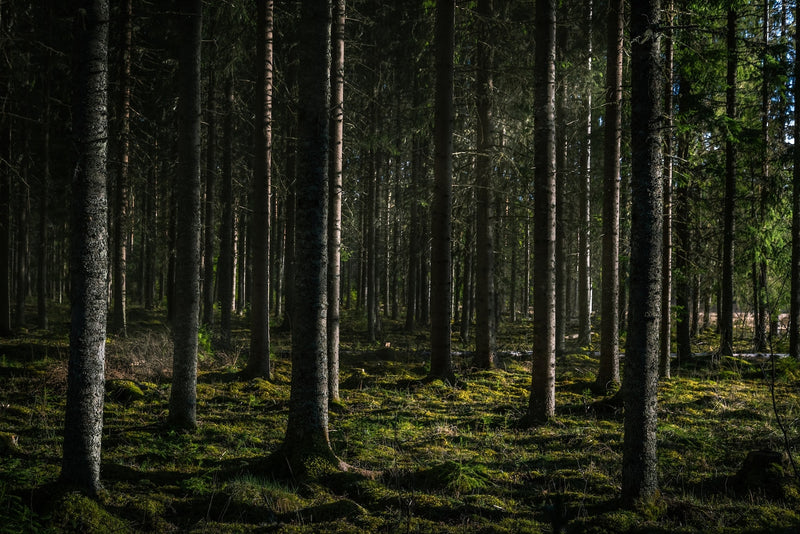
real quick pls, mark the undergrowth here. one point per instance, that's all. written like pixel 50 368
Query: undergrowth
pixel 450 458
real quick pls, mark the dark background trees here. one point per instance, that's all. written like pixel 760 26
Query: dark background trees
pixel 511 236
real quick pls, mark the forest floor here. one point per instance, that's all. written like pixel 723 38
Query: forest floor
pixel 450 458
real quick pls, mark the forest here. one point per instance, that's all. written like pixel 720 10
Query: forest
pixel 416 266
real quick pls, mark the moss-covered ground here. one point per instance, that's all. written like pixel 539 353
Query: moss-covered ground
pixel 450 458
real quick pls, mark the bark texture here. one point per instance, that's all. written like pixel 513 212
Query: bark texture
pixel 726 296
pixel 83 421
pixel 335 197
pixel 120 259
pixel 543 392
pixel 441 209
pixel 183 397
pixel 307 426
pixel 258 363
pixel 485 356
pixel 639 478
pixel 794 319
pixel 608 374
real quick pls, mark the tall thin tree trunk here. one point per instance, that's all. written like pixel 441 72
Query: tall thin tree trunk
pixel 307 425
pixel 639 465
pixel 83 421
pixel 608 374
pixel 5 225
pixel 585 210
pixel 183 396
pixel 485 356
pixel 258 363
pixel 441 209
pixel 23 248
pixel 225 266
pixel 666 259
pixel 120 276
pixel 726 304
pixel 542 400
pixel 562 173
pixel 794 311
pixel 42 257
pixel 335 197
pixel 210 203
pixel 760 263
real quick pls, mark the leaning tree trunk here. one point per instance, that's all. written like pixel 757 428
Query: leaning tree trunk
pixel 258 363
pixel 83 421
pixel 441 209
pixel 608 374
pixel 639 465
pixel 543 399
pixel 183 397
pixel 485 356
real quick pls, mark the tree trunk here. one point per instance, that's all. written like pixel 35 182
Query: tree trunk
pixel 149 226
pixel 542 399
pixel 585 210
pixel 666 258
pixel 307 426
pixel 485 356
pixel 83 421
pixel 23 249
pixel 42 258
pixel 183 397
pixel 121 191
pixel 562 173
pixel 210 203
pixel 5 225
pixel 639 466
pixel 726 305
pixel 258 363
pixel 225 267
pixel 608 374
pixel 335 197
pixel 794 311
pixel 760 261
pixel 441 209
pixel 682 233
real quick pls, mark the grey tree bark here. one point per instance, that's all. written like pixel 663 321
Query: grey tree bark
pixel 485 356
pixel 728 225
pixel 585 205
pixel 666 258
pixel 639 465
pixel 121 190
pixel 441 209
pixel 335 197
pixel 258 363
pixel 83 420
pixel 307 426
pixel 183 396
pixel 225 267
pixel 794 310
pixel 209 225
pixel 608 373
pixel 542 400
